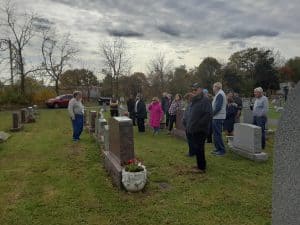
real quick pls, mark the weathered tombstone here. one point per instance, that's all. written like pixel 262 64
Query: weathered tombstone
pixel 85 122
pixel 247 115
pixel 35 109
pixel 30 116
pixel 16 122
pixel 247 142
pixel 93 115
pixel 121 147
pixel 286 178
pixel 99 130
pixel 3 136
pixel 179 131
pixel 23 115
pixel 106 138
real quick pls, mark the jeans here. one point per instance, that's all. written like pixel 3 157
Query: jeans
pixel 217 135
pixel 77 124
pixel 261 122
pixel 197 144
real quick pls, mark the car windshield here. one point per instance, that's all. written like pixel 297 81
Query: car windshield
pixel 59 97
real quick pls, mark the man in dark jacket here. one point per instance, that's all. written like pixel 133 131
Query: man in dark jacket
pixel 141 113
pixel 198 125
pixel 130 108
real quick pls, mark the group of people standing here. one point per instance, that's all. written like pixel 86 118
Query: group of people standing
pixel 205 116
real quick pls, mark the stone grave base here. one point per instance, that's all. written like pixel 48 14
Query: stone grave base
pixel 4 136
pixel 179 133
pixel 257 157
pixel 16 129
pixel 113 167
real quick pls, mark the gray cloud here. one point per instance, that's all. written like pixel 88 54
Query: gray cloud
pixel 240 44
pixel 41 23
pixel 124 33
pixel 244 33
pixel 168 29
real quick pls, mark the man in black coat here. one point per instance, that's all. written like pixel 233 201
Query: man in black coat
pixel 130 108
pixel 198 125
pixel 141 113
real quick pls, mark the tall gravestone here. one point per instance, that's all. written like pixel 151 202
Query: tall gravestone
pixel 286 178
pixel 23 115
pixel 16 123
pixel 121 147
pixel 179 131
pixel 93 115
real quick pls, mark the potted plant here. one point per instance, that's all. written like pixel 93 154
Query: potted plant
pixel 134 175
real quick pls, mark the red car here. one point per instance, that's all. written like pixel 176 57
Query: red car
pixel 60 101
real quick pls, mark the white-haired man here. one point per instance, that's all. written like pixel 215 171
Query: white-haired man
pixel 219 114
pixel 260 110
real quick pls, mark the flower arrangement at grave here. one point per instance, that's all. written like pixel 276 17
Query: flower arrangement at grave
pixel 134 175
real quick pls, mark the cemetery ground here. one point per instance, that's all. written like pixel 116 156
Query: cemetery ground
pixel 45 178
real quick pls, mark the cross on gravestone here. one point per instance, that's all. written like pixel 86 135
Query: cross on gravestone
pixel 121 147
pixel 179 131
pixel 247 142
pixel 93 115
pixel 23 115
pixel 16 122
pixel 286 175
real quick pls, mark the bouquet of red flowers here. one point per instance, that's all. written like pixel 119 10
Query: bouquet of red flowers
pixel 133 165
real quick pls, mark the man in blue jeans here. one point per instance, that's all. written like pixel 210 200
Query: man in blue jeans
pixel 76 110
pixel 219 115
pixel 260 110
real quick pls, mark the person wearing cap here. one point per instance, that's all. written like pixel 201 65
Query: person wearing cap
pixel 76 110
pixel 197 125
pixel 219 114
pixel 260 110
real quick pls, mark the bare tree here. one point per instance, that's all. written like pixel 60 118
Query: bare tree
pixel 56 55
pixel 116 60
pixel 19 30
pixel 159 67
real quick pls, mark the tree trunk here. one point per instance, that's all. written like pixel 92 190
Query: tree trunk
pixel 56 87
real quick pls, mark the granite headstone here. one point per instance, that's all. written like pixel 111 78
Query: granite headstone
pixel 286 176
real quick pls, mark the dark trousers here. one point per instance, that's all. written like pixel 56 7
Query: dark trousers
pixel 189 141
pixel 210 132
pixel 172 121
pixel 132 117
pixel 261 122
pixel 114 112
pixel 217 125
pixel 167 119
pixel 77 124
pixel 198 143
pixel 141 124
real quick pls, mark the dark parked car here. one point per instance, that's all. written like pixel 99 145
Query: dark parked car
pixel 103 100
pixel 60 101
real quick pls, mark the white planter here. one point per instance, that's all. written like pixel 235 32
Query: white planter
pixel 134 181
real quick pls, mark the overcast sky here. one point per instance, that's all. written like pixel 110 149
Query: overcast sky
pixel 187 31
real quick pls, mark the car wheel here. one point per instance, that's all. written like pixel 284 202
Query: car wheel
pixel 56 106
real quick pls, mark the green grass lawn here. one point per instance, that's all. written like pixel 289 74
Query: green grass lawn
pixel 45 178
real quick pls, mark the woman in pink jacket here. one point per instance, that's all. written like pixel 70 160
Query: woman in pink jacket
pixel 156 114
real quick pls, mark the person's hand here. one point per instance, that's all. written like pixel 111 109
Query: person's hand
pixel 72 118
